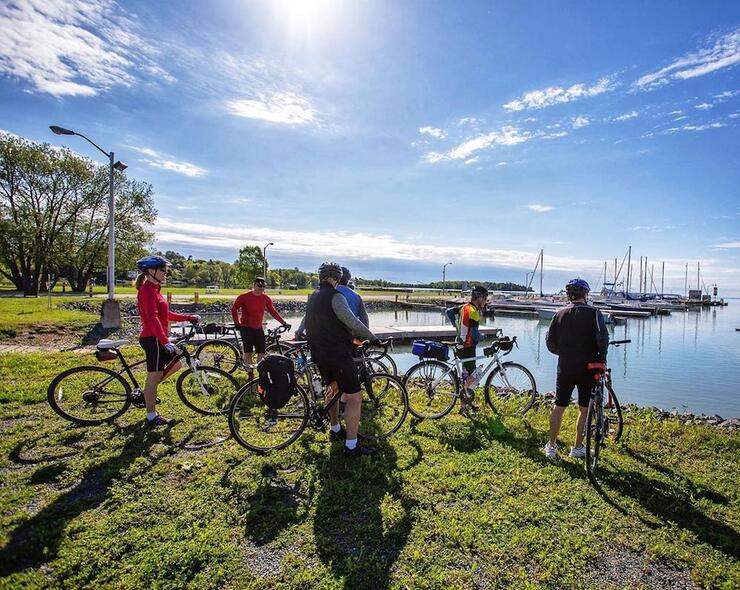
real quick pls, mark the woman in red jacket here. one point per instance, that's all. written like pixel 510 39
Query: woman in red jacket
pixel 154 336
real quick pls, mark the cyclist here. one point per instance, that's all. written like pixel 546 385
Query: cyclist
pixel 466 318
pixel 578 335
pixel 248 312
pixel 154 336
pixel 331 325
pixel 353 299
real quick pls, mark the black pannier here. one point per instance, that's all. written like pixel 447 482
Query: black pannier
pixel 277 382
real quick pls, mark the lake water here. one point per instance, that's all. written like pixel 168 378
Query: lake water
pixel 688 360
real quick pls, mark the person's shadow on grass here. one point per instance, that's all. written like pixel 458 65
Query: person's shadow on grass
pixel 36 541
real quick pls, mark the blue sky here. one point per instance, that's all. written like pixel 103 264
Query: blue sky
pixel 397 136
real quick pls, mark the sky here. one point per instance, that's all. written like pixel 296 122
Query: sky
pixel 394 137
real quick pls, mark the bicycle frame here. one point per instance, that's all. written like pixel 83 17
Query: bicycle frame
pixel 456 366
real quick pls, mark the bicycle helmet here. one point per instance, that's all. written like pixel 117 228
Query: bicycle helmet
pixel 152 262
pixel 330 270
pixel 346 276
pixel 577 288
pixel 259 281
pixel 479 291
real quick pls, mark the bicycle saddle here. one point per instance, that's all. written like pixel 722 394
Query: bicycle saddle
pixel 106 344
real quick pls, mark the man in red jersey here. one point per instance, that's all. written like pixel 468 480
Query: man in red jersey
pixel 248 311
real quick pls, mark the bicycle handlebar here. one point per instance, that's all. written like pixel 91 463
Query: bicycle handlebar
pixel 618 342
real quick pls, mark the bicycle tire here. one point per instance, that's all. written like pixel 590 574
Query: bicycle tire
pixel 384 406
pixel 221 354
pixel 90 396
pixel 418 380
pixel 615 417
pixel 255 426
pixel 594 436
pixel 385 359
pixel 514 393
pixel 211 399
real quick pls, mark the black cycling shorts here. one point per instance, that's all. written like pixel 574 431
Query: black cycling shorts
pixel 565 384
pixel 343 371
pixel 467 353
pixel 157 356
pixel 253 339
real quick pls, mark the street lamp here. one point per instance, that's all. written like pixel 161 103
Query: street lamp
pixel 264 260
pixel 111 312
pixel 444 277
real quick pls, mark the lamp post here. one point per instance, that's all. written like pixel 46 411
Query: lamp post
pixel 444 277
pixel 264 260
pixel 111 311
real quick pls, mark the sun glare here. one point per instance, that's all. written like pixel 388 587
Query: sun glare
pixel 305 17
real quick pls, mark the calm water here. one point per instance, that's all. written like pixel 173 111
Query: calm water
pixel 688 360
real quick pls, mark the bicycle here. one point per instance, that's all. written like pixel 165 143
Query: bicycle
pixel 224 354
pixel 434 386
pixel 604 416
pixel 261 429
pixel 91 394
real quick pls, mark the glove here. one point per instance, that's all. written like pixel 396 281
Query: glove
pixel 171 348
pixel 375 342
pixel 195 318
pixel 287 326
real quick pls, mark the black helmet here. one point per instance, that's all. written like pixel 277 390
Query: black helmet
pixel 346 276
pixel 330 270
pixel 479 291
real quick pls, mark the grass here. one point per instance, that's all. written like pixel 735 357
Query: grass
pixel 453 503
pixel 21 316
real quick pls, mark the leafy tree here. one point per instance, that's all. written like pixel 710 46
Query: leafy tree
pixel 248 266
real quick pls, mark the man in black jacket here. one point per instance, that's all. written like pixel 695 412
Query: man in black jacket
pixel 578 336
pixel 331 325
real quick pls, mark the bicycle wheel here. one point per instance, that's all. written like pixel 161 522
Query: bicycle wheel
pixel 89 395
pixel 594 435
pixel 384 405
pixel 432 388
pixel 614 418
pixel 510 389
pixel 384 358
pixel 261 429
pixel 309 378
pixel 221 354
pixel 278 348
pixel 207 391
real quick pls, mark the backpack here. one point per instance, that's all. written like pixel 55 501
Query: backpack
pixel 277 382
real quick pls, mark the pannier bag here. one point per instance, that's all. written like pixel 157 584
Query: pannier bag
pixel 429 349
pixel 105 355
pixel 277 382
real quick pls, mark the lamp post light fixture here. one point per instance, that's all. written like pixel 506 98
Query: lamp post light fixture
pixel 264 260
pixel 444 277
pixel 111 311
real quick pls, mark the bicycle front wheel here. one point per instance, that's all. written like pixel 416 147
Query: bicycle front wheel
pixel 614 417
pixel 385 359
pixel 594 435
pixel 432 388
pixel 384 405
pixel 510 389
pixel 261 429
pixel 221 354
pixel 89 395
pixel 207 390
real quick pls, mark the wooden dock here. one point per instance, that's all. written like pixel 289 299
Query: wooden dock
pixel 421 332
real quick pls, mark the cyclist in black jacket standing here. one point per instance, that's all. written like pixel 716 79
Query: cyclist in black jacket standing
pixel 578 336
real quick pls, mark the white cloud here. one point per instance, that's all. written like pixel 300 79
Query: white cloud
pixel 157 160
pixel 555 135
pixel 506 136
pixel 278 107
pixel 734 115
pixel 715 125
pixel 705 106
pixel 678 112
pixel 473 160
pixel 627 116
pixel 580 121
pixel 537 208
pixel 538 99
pixel 727 245
pixel 654 228
pixel 467 121
pixel 501 164
pixel 433 132
pixel 726 94
pixel 75 48
pixel 433 157
pixel 717 52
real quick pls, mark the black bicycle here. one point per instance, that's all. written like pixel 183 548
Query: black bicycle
pixel 261 429
pixel 604 418
pixel 227 353
pixel 93 394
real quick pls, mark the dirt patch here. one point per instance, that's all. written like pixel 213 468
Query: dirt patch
pixel 622 567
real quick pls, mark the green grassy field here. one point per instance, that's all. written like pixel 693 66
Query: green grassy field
pixel 457 503
pixel 23 315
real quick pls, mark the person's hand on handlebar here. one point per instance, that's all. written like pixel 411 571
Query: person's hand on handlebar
pixel 287 326
pixel 195 318
pixel 375 342
pixel 171 348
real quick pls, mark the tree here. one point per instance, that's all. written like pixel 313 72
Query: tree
pixel 248 266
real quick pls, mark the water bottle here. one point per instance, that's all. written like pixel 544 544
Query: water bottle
pixel 318 389
pixel 476 376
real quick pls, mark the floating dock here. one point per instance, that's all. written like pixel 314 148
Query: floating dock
pixel 421 332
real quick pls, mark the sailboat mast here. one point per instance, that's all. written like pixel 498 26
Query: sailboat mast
pixel 542 264
pixel 662 282
pixel 629 270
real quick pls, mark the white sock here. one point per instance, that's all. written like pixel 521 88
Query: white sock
pixel 151 415
pixel 351 444
pixel 336 427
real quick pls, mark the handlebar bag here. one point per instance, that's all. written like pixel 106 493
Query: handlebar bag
pixel 429 349
pixel 277 382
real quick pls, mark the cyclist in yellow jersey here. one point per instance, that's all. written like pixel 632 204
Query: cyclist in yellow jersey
pixel 466 318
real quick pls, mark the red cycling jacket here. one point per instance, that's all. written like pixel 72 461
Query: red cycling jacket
pixel 252 308
pixel 155 313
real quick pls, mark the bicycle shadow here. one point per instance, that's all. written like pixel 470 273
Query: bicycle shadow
pixel 36 541
pixel 362 518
